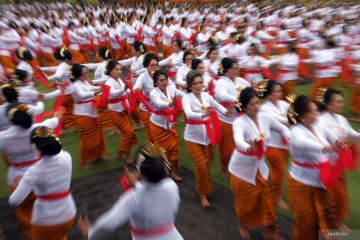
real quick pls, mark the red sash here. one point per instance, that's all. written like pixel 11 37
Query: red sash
pixel 259 153
pixel 24 164
pixel 54 196
pixel 212 125
pixel 128 106
pixel 143 99
pixel 152 232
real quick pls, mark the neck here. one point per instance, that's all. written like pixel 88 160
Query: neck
pixel 197 94
pixel 253 117
pixel 273 101
pixel 308 126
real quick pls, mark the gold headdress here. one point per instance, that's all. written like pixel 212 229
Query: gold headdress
pixel 13 80
pixel 261 87
pixel 43 132
pixel 221 69
pixel 20 107
pixel 21 52
pixel 107 52
pixel 291 113
pixel 320 95
pixel 152 150
pixel 141 47
pixel 62 50
pixel 238 91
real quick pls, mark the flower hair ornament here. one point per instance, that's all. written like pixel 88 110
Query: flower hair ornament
pixel 13 80
pixel 238 104
pixel 141 47
pixel 43 132
pixel 70 74
pixel 291 113
pixel 152 150
pixel 320 95
pixel 21 52
pixel 261 87
pixel 20 107
pixel 107 52
pixel 62 50
pixel 221 69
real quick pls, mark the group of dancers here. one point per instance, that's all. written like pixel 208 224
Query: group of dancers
pixel 227 72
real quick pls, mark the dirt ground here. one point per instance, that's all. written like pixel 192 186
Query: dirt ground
pixel 96 193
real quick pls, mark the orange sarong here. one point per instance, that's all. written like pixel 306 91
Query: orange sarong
pixel 145 118
pixel 128 49
pixel 152 49
pixel 104 118
pixel 288 87
pixel 167 139
pixel 92 144
pixel 56 232
pixel 23 212
pixel 277 159
pixel 167 51
pixel 201 156
pixel 321 83
pixel 311 208
pixel 123 122
pixel 77 56
pixel 226 146
pixel 339 196
pixel 355 99
pixel 254 204
pixel 47 60
pixel 68 118
pixel 7 62
pixel 303 53
pixel 117 54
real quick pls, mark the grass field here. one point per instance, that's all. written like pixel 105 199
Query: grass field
pixel 71 144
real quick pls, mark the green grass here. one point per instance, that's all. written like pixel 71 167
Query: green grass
pixel 71 144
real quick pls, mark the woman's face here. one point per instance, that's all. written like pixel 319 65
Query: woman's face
pixel 253 107
pixel 233 71
pixel 84 74
pixel 175 47
pixel 276 93
pixel 197 85
pixel 153 65
pixel 162 82
pixel 201 68
pixel 213 55
pixel 251 51
pixel 311 115
pixel 336 104
pixel 188 59
pixel 116 72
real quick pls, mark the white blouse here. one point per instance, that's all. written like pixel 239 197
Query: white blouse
pixel 84 92
pixel 50 175
pixel 145 83
pixel 339 126
pixel 245 131
pixel 194 109
pixel 147 206
pixel 225 91
pixel 307 147
pixel 279 113
pixel 161 102
pixel 15 143
pixel 117 90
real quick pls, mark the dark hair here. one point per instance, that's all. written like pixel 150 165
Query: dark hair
pixel 292 47
pixel 300 107
pixel 226 64
pixel 328 97
pixel 211 49
pixel 330 42
pixel 21 117
pixel 186 53
pixel 147 59
pixel 139 47
pixel 183 21
pixel 246 95
pixel 62 54
pixel 153 168
pixel 24 54
pixel 11 95
pixel 271 84
pixel 49 145
pixel 76 71
pixel 157 74
pixel 179 43
pixel 111 65
pixel 20 74
pixel 195 63
pixel 190 77
pixel 104 53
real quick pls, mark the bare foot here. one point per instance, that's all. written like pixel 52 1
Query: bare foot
pixel 282 204
pixel 204 202
pixel 176 177
pixel 138 126
pixel 87 166
pixel 114 132
pixel 244 233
